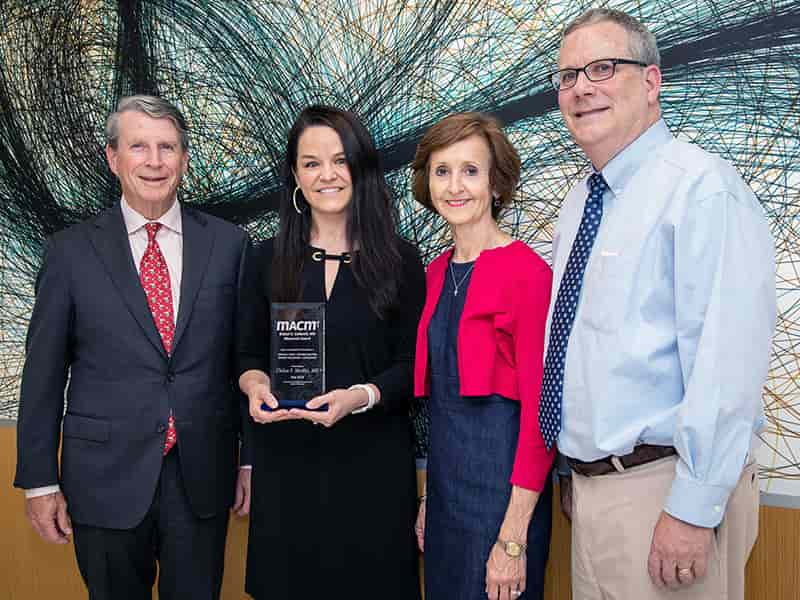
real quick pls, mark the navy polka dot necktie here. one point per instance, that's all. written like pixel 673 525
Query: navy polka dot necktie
pixel 569 292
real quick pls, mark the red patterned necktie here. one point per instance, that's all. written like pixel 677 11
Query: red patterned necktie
pixel 154 275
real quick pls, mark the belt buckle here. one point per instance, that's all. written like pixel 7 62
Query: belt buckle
pixel 616 462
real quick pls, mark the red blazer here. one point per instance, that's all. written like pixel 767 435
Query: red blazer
pixel 500 342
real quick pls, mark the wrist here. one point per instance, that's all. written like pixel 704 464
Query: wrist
pixel 360 398
pixel 250 379
pixel 512 548
pixel 371 397
pixel 518 515
pixel 513 532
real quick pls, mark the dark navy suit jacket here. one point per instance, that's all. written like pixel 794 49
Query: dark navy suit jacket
pixel 92 335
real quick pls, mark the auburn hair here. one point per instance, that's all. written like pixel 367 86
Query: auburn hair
pixel 505 168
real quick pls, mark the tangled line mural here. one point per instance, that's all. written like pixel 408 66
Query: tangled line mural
pixel 242 70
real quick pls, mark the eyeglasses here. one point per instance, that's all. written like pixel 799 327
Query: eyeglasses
pixel 597 70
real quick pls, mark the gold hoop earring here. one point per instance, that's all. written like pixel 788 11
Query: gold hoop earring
pixel 294 200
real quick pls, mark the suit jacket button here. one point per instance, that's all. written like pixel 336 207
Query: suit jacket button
pixel 170 377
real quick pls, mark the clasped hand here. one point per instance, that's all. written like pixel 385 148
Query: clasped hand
pixel 340 403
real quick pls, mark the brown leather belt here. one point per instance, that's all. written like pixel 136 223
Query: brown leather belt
pixel 642 454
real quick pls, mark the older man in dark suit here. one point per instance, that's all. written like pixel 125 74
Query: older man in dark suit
pixel 135 319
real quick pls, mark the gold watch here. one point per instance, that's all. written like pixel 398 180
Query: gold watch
pixel 512 549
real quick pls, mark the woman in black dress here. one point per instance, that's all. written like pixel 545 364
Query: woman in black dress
pixel 333 491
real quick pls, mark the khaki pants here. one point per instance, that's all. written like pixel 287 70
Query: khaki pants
pixel 613 517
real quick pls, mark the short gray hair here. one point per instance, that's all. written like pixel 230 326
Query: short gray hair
pixel 641 41
pixel 153 107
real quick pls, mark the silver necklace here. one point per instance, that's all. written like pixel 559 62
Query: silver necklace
pixel 458 284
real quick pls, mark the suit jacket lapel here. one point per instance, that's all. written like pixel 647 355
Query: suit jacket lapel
pixel 198 240
pixel 110 240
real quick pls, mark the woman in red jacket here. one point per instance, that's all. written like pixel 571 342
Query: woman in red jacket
pixel 484 522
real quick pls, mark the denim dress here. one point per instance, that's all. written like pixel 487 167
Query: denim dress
pixel 473 442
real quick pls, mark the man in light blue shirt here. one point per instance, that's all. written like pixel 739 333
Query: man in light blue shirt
pixel 659 338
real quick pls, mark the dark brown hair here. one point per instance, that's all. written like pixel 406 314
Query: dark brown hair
pixel 371 222
pixel 505 168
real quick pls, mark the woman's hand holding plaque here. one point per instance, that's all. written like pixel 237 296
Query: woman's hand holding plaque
pixel 262 404
pixel 340 404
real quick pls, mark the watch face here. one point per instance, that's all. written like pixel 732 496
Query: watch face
pixel 513 549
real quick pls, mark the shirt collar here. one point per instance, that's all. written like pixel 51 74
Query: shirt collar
pixel 135 221
pixel 620 169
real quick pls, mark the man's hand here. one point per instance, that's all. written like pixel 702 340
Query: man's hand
pixel 679 552
pixel 49 517
pixel 241 504
pixel 565 492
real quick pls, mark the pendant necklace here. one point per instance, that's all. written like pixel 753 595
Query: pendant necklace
pixel 458 284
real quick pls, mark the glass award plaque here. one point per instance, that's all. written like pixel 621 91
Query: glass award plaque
pixel 297 352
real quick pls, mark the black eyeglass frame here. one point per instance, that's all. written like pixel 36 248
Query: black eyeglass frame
pixel 555 76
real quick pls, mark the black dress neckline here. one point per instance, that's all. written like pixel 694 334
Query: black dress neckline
pixel 319 255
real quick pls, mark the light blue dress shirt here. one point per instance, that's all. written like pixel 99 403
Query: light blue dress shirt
pixel 673 332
